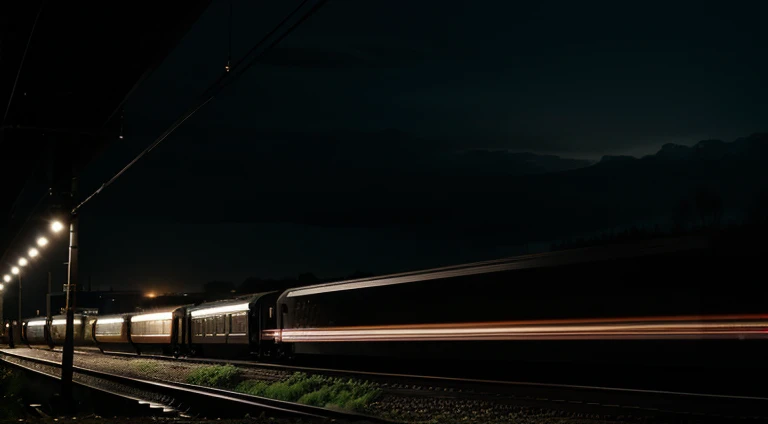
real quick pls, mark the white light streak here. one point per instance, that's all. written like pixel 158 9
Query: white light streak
pixel 35 323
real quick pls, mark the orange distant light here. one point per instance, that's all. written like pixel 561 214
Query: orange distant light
pixel 151 294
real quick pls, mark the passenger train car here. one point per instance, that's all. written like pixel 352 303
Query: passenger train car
pixel 82 325
pixel 36 332
pixel 605 296
pixel 111 333
pixel 159 332
pixel 233 327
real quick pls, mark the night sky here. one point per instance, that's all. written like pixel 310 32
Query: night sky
pixel 326 157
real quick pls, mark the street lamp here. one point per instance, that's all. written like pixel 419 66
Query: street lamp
pixel 33 252
pixel 16 271
pixel 56 226
pixel 42 241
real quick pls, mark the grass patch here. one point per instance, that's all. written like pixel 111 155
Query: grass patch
pixel 315 390
pixel 145 365
pixel 214 375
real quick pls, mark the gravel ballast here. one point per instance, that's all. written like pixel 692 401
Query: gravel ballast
pixel 432 405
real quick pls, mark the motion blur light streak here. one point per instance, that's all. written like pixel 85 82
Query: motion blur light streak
pixel 35 323
pixel 508 264
pixel 716 327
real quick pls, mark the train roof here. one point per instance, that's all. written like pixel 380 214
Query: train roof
pixel 238 304
pixel 541 260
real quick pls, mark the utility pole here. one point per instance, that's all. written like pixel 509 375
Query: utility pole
pixel 48 299
pixel 20 303
pixel 69 345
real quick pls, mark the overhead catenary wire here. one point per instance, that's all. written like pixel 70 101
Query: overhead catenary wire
pixel 237 70
pixel 23 58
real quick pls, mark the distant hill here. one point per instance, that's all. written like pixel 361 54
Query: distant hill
pixel 502 162
pixel 486 198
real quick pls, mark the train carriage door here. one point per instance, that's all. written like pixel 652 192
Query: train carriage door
pixel 179 331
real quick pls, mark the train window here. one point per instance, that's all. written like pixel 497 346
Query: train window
pixel 197 327
pixel 109 329
pixel 220 325
pixel 156 327
pixel 238 324
pixel 209 326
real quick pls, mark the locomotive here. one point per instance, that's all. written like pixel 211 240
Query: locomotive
pixel 551 306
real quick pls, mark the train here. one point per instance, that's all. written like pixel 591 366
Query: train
pixel 588 304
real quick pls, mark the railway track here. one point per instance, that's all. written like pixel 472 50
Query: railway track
pixel 580 398
pixel 178 398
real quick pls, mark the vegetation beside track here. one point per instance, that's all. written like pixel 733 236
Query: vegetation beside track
pixel 315 390
pixel 145 365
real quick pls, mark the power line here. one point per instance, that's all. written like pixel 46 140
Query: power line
pixel 222 82
pixel 21 64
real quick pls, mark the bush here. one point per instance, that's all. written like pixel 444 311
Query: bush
pixel 315 390
pixel 214 376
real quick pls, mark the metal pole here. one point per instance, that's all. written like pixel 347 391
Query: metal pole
pixel 48 298
pixel 69 345
pixel 20 303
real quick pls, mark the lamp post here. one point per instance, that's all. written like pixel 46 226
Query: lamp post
pixel 17 271
pixel 68 353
